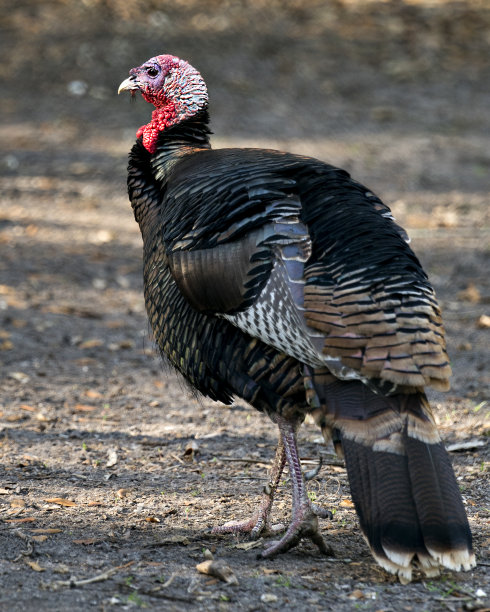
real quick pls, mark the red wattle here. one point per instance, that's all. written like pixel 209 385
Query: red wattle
pixel 161 119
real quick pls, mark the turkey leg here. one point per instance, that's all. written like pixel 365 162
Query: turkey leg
pixel 259 522
pixel 304 519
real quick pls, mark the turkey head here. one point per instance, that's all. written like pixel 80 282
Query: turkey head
pixel 173 86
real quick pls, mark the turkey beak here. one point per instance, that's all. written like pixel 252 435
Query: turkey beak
pixel 128 85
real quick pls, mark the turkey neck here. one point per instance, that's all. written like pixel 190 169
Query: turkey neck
pixel 184 138
pixel 148 173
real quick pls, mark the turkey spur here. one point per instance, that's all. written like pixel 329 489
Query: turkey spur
pixel 278 279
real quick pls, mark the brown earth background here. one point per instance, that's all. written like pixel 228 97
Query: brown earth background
pixel 111 472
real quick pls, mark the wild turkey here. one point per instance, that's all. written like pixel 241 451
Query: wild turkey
pixel 279 279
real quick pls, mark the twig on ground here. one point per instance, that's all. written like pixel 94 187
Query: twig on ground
pixel 72 582
pixel 332 461
pixel 168 582
pixel 29 547
pixel 174 456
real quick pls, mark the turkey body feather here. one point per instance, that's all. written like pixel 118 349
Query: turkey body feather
pixel 279 279
pixel 233 218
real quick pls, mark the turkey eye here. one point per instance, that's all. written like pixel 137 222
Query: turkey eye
pixel 152 72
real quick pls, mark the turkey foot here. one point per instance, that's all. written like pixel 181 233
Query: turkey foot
pixel 304 521
pixel 303 525
pixel 259 522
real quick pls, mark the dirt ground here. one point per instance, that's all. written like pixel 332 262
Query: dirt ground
pixel 111 473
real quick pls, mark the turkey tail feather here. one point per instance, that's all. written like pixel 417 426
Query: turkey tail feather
pixel 439 505
pixel 401 479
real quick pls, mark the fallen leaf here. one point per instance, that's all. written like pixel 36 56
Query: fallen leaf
pixel 87 541
pixel 15 301
pixel 45 530
pixel 92 394
pixel 85 361
pixel 60 501
pixel 94 503
pixel 346 503
pixel 17 502
pixel 122 493
pixel 68 309
pixel 152 519
pixel 84 407
pixel 116 324
pixel 15 511
pixel 92 343
pixel 39 538
pixel 13 418
pixel 27 407
pixel 218 569
pixel 27 519
pixel 34 565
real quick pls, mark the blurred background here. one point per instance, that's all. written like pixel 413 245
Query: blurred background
pixel 354 80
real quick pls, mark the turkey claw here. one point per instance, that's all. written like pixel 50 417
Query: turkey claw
pixel 256 526
pixel 321 512
pixel 305 527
